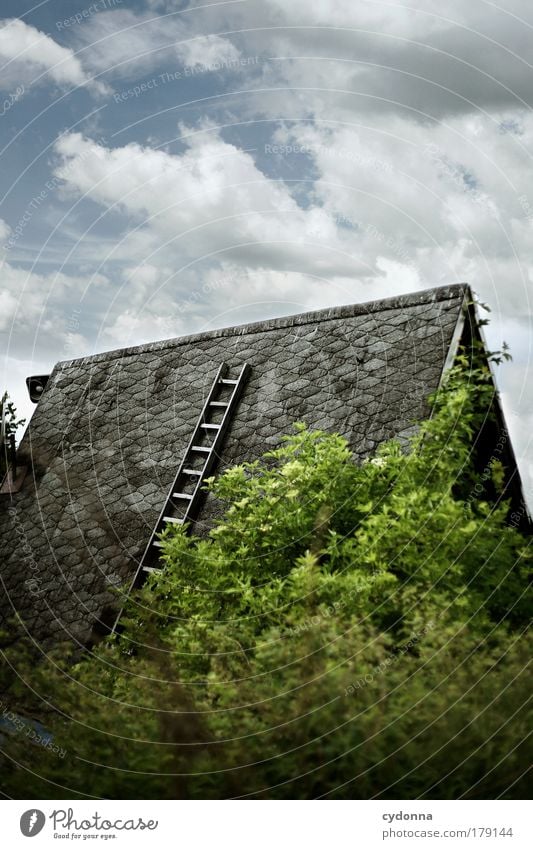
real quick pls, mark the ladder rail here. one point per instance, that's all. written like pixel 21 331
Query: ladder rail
pixel 220 433
pixel 211 458
pixel 220 373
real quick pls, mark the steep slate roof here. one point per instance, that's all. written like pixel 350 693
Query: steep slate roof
pixel 107 435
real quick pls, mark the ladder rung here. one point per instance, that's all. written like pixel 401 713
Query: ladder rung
pixel 209 453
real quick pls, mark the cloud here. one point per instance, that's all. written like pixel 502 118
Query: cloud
pixel 40 312
pixel 403 162
pixel 30 57
pixel 396 17
pixel 395 195
pixel 207 50
pixel 210 202
pixel 438 198
pixel 393 206
pixel 432 61
pixel 124 44
pixel 160 307
pixel 5 230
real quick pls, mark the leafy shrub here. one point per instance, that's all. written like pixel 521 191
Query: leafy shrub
pixel 346 630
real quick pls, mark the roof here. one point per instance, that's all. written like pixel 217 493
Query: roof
pixel 109 432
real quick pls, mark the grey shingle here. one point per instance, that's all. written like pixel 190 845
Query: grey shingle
pixel 109 432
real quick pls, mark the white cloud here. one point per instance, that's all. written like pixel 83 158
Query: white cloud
pixel 207 50
pixel 30 56
pixel 394 201
pixel 436 197
pixel 5 230
pixel 161 306
pixel 122 43
pixel 134 328
pixel 373 57
pixel 210 201
pixel 395 206
pixel 416 169
pixel 37 312
pixel 397 17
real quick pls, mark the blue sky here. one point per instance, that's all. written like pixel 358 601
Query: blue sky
pixel 169 167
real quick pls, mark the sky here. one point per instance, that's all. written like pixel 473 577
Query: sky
pixel 169 167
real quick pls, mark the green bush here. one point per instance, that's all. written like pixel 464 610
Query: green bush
pixel 346 630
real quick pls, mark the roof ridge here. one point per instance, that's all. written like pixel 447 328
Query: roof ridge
pixel 438 293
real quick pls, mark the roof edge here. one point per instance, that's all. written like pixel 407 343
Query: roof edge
pixel 424 296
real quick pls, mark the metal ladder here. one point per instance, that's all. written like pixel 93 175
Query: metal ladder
pixel 198 461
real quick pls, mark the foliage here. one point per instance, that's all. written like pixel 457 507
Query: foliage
pixel 12 420
pixel 12 423
pixel 347 629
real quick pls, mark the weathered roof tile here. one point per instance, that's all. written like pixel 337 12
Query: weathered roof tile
pixel 110 430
